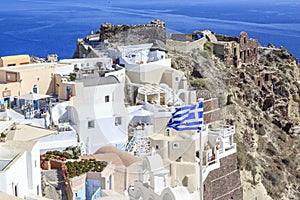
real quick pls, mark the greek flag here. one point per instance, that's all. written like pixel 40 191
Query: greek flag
pixel 187 118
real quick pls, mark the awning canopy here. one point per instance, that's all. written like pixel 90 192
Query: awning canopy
pixel 34 96
pixel 137 114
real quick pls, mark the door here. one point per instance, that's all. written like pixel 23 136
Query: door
pixel 68 92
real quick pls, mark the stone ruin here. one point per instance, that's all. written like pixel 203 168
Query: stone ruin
pixel 122 35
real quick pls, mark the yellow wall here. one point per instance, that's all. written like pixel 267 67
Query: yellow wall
pixel 60 87
pixel 26 80
pixel 14 60
pixel 42 78
pixel 14 89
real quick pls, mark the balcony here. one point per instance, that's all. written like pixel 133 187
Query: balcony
pixel 223 131
pixel 210 166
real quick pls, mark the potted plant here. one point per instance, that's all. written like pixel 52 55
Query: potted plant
pixel 47 163
pixel 76 69
pixel 3 137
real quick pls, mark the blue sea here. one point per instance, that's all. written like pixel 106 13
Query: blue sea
pixel 41 27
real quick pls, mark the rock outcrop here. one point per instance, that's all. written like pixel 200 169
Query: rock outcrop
pixel 120 35
pixel 262 101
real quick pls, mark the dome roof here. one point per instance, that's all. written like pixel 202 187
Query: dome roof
pixel 126 158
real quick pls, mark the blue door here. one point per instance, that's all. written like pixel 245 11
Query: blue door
pixel 35 89
pixel 68 92
pixel 36 102
pixel 16 101
pixel 109 183
pixel 7 101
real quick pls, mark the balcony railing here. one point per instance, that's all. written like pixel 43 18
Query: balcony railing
pixel 210 166
pixel 224 131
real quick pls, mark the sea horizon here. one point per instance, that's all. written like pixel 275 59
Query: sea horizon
pixel 42 27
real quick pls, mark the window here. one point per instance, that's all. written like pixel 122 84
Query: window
pixel 176 78
pixel 10 65
pixel 38 190
pixel 118 121
pixel 254 51
pixel 167 132
pixel 248 52
pixel 197 154
pixel 179 159
pixel 91 124
pixel 35 163
pixel 16 190
pixel 156 147
pixel 106 98
pixel 245 40
pixel 176 145
pixel 11 77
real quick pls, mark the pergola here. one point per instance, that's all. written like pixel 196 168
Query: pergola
pixel 152 93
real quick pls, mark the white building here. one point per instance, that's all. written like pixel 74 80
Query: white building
pixel 98 112
pixel 150 75
pixel 153 182
pixel 143 65
pixel 48 139
pixel 101 63
pixel 20 168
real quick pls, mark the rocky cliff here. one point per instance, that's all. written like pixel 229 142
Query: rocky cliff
pixel 262 101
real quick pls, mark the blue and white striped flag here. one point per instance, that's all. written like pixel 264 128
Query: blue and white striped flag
pixel 187 118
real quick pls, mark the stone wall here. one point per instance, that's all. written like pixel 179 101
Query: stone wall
pixel 180 46
pixel 211 110
pixel 248 49
pixel 224 183
pixel 121 35
pixel 53 184
pixel 212 116
pixel 226 38
pixel 211 104
pixel 236 50
pixel 84 50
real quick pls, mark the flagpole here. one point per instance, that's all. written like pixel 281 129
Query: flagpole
pixel 201 157
pixel 200 167
pixel 191 118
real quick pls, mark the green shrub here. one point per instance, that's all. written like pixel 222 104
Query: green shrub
pixel 101 72
pixel 250 70
pixel 72 76
pixel 61 154
pixel 78 168
pixel 199 83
